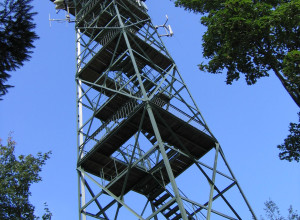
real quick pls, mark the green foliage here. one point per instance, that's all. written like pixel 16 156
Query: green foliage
pixel 252 38
pixel 16 177
pixel 290 149
pixel 48 214
pixel 16 37
pixel 291 65
pixel 273 212
pixel 200 6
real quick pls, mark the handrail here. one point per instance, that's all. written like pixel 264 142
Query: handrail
pixel 157 101
pixel 120 113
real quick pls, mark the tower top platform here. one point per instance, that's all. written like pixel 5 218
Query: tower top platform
pixel 69 5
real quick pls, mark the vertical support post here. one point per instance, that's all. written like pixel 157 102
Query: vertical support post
pixel 153 210
pixel 238 185
pixel 153 122
pixel 141 74
pixel 212 185
pixel 80 121
pixel 166 162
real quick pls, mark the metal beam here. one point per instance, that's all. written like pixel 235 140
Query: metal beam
pixel 112 195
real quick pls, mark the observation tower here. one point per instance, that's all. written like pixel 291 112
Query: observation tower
pixel 141 136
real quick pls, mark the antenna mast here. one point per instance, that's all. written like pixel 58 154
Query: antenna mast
pixel 142 132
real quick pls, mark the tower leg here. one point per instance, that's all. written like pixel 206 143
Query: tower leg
pixel 167 163
pixel 213 183
pixel 142 128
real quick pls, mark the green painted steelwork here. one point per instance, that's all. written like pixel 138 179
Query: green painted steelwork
pixel 139 129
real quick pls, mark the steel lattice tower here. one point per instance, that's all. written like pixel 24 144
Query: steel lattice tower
pixel 139 129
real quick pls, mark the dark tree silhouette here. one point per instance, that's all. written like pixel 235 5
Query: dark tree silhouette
pixel 16 37
pixel 290 149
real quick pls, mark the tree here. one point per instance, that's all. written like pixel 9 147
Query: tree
pixel 47 215
pixel 16 177
pixel 254 38
pixel 273 212
pixel 291 146
pixel 251 37
pixel 16 37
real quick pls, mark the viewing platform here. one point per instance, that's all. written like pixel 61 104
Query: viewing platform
pixel 184 137
pixel 114 48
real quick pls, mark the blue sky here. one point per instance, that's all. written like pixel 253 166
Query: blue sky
pixel 249 121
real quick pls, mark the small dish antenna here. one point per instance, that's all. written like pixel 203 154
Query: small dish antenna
pixel 167 28
pixel 61 5
pixel 141 3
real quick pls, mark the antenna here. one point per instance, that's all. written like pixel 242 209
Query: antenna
pixel 167 28
pixel 139 2
pixel 62 5
pixel 66 19
pixel 138 127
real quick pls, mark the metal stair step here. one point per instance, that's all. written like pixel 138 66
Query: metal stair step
pixel 161 200
pixel 171 212
pixel 153 140
pixel 150 137
pixel 156 192
pixel 177 217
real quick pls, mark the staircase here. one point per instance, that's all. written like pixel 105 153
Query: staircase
pixel 171 211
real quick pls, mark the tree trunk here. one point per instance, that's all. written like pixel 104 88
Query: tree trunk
pixel 294 94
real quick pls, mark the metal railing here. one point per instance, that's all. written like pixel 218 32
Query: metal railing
pixel 122 113
pixel 123 155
